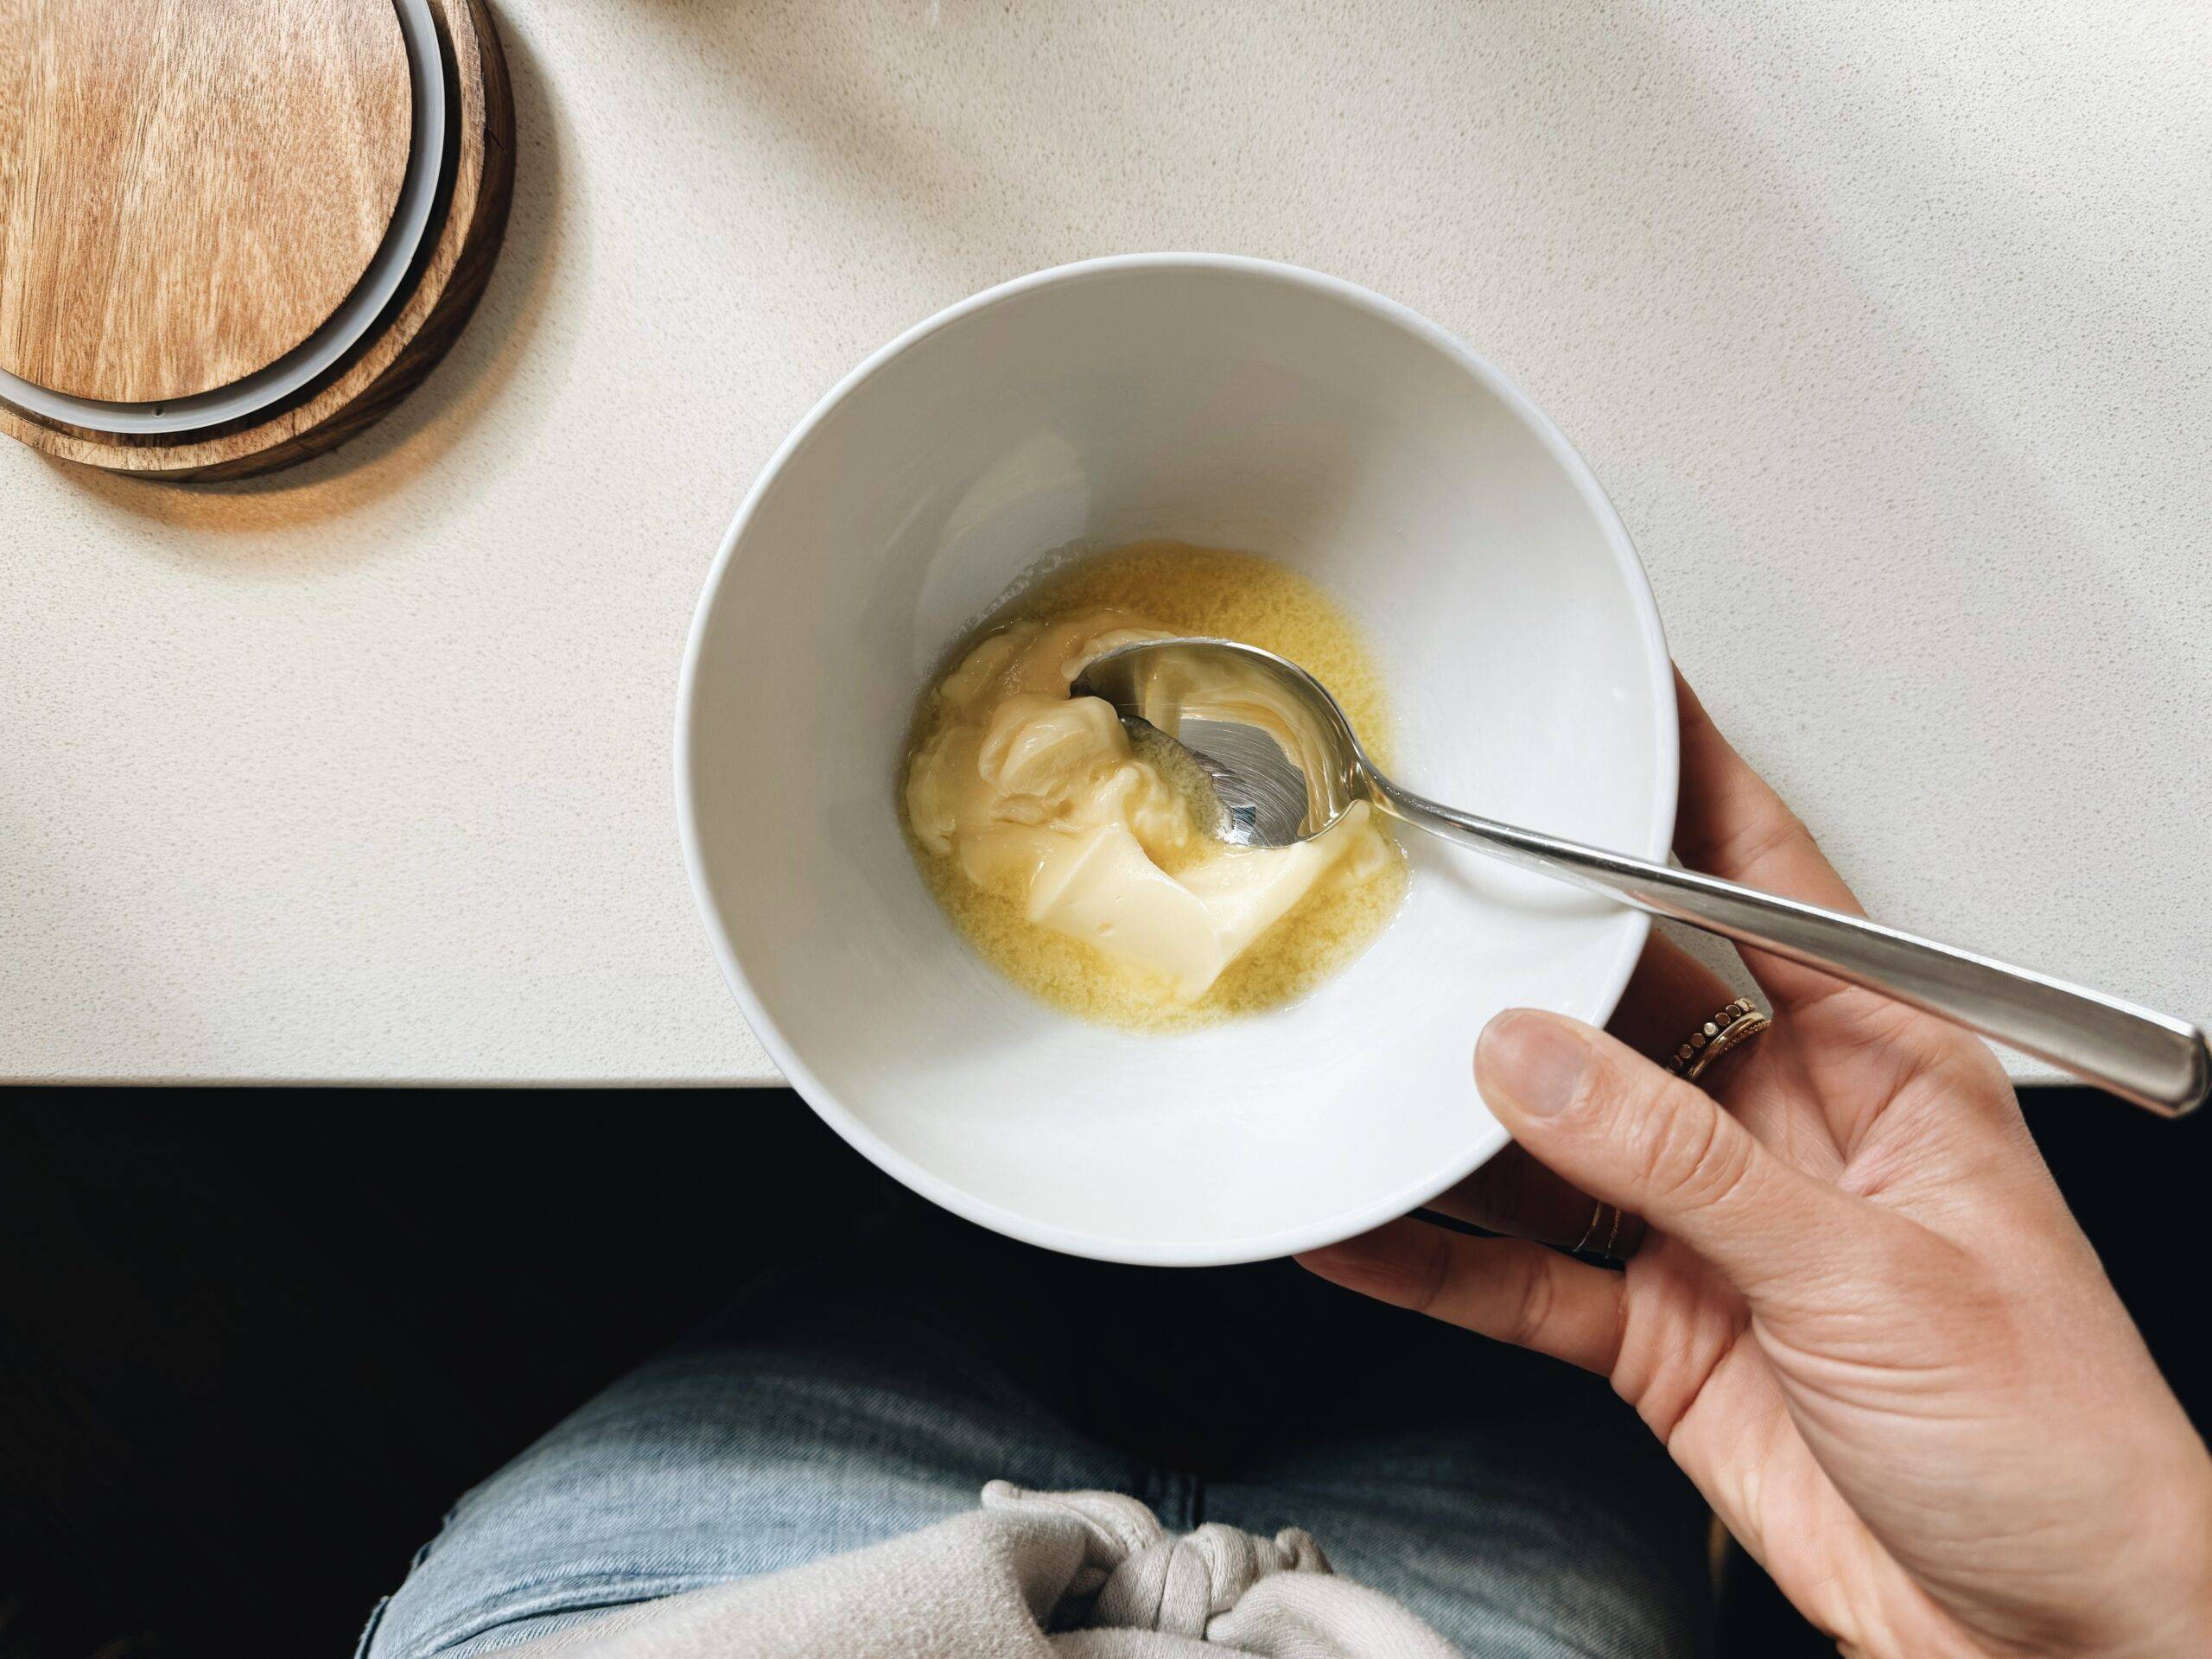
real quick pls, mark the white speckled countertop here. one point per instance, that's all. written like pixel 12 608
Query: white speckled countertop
pixel 1889 327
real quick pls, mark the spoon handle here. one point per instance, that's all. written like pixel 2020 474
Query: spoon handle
pixel 2156 1061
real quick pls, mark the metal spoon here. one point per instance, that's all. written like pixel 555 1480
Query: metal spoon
pixel 1287 764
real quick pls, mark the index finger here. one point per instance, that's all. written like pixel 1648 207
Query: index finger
pixel 1731 824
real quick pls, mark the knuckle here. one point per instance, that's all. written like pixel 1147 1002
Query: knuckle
pixel 1754 843
pixel 1727 1172
pixel 1431 1277
pixel 1681 1150
pixel 1532 1304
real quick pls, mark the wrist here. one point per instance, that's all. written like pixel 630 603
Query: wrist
pixel 2171 1611
pixel 2192 1629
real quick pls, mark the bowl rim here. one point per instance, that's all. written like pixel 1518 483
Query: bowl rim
pixel 825 1101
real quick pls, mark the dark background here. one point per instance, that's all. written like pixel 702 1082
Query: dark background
pixel 253 1343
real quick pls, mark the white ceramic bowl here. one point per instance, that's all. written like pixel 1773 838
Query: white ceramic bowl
pixel 1222 401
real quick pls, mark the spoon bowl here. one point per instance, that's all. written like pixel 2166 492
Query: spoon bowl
pixel 1283 757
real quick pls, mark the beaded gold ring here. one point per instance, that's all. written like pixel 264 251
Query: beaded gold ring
pixel 1730 1028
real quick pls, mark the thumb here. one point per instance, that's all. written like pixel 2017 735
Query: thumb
pixel 1625 1131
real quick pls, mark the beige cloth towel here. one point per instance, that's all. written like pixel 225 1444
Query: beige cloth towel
pixel 1030 1575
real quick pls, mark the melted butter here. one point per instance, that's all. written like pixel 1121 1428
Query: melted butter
pixel 986 883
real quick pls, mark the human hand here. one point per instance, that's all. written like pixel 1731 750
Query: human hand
pixel 1861 1318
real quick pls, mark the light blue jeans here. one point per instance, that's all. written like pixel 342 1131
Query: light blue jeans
pixel 1515 1504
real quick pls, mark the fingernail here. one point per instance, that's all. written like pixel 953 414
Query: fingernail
pixel 1537 1062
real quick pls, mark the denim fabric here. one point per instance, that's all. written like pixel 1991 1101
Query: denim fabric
pixel 1514 1504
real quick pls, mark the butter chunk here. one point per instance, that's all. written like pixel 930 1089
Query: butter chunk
pixel 1246 893
pixel 1100 888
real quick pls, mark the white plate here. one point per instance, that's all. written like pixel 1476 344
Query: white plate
pixel 1222 401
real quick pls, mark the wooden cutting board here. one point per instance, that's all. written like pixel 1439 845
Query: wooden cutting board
pixel 194 184
pixel 192 190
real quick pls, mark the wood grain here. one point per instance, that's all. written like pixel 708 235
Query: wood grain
pixel 461 242
pixel 188 187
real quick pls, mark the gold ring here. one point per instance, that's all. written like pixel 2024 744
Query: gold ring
pixel 1597 1217
pixel 1599 1221
pixel 1730 1028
